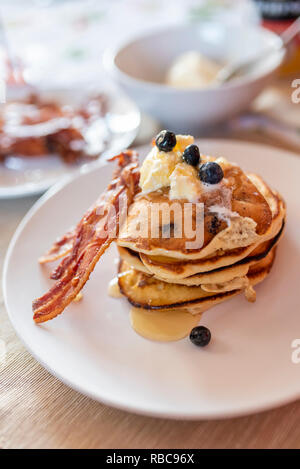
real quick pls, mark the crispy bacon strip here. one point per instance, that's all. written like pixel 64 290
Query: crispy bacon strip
pixel 91 237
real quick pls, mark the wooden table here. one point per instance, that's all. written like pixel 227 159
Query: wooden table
pixel 38 411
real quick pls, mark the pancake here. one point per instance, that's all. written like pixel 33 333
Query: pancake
pixel 256 215
pixel 144 291
pixel 241 221
pixel 189 273
pixel 183 272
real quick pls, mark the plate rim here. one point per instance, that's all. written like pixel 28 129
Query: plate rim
pixel 174 415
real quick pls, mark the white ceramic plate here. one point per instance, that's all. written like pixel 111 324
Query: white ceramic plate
pixel 91 347
pixel 21 177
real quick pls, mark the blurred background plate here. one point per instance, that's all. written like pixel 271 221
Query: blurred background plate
pixel 24 176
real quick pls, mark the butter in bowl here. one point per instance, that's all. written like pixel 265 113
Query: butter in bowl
pixel 170 73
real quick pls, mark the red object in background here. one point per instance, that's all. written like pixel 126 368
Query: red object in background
pixel 277 16
pixel 278 26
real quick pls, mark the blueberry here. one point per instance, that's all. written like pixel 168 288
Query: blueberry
pixel 211 173
pixel 200 336
pixel 191 155
pixel 165 140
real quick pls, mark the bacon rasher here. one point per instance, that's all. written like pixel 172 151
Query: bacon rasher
pixel 83 246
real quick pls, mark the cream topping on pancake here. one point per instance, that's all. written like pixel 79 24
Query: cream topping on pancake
pixel 167 169
pixel 157 169
pixel 159 165
pixel 184 183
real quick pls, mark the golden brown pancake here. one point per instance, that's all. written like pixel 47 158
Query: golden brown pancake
pixel 243 220
pixel 256 224
pixel 144 291
pixel 172 273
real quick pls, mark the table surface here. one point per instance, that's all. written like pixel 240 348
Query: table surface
pixel 38 411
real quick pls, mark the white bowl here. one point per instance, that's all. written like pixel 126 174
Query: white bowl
pixel 140 66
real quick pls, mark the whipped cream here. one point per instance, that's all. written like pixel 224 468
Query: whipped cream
pixel 168 170
pixel 184 183
pixel 158 167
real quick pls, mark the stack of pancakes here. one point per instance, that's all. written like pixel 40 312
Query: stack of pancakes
pixel 243 220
